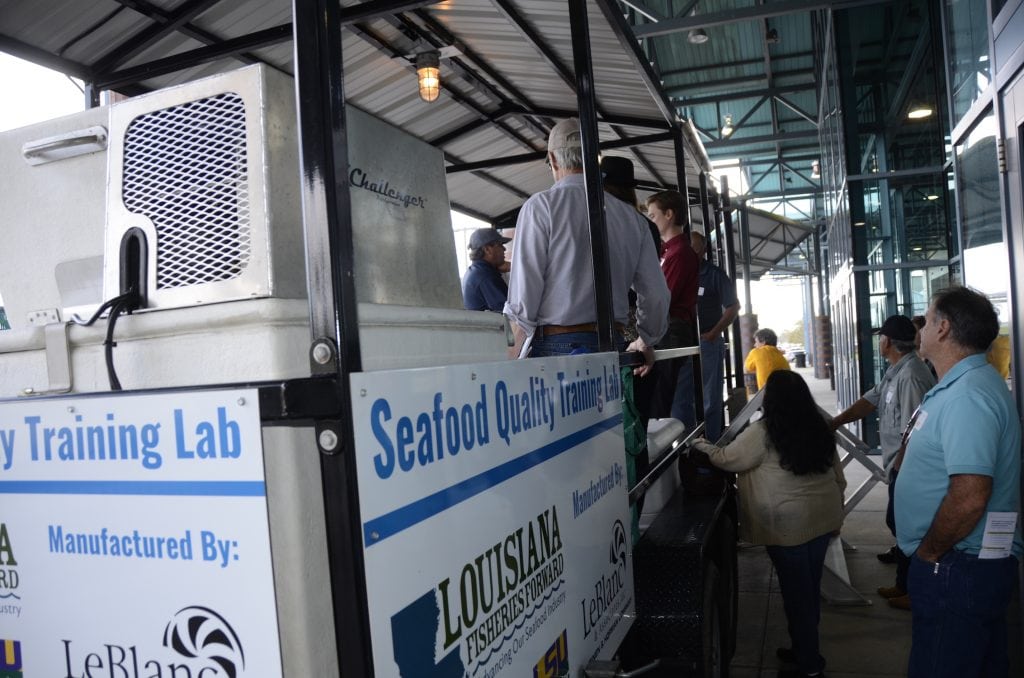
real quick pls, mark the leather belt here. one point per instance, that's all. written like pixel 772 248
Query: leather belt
pixel 552 330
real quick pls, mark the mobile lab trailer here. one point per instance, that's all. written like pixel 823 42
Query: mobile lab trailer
pixel 317 465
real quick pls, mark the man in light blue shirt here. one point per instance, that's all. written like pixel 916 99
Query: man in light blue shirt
pixel 961 471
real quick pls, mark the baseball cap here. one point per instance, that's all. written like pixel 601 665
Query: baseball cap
pixel 618 171
pixel 565 134
pixel 482 237
pixel 898 327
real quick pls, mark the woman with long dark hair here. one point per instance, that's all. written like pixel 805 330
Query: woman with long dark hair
pixel 791 488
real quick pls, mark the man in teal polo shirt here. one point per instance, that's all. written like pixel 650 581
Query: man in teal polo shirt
pixel 957 497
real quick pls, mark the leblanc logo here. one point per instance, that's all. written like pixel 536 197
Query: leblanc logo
pixel 617 549
pixel 200 633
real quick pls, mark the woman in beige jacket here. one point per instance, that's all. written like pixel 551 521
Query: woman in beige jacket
pixel 791 488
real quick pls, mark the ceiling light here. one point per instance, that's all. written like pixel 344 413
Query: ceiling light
pixel 772 36
pixel 727 128
pixel 919 112
pixel 931 196
pixel 428 73
pixel 816 170
pixel 917 249
pixel 697 36
pixel 858 223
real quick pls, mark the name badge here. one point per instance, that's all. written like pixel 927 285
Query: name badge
pixel 888 397
pixel 700 291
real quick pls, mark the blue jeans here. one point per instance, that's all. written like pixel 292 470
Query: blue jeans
pixel 902 560
pixel 571 343
pixel 959 616
pixel 799 571
pixel 712 357
pixel 682 401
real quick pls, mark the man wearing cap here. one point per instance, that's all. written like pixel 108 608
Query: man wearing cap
pixel 717 307
pixel 483 288
pixel 551 299
pixel 958 497
pixel 895 398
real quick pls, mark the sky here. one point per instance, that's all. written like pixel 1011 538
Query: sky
pixel 49 94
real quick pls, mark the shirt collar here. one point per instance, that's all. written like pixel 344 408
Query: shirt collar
pixel 965 365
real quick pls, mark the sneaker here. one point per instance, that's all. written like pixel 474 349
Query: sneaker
pixel 891 592
pixel 900 602
pixel 786 655
pixel 889 557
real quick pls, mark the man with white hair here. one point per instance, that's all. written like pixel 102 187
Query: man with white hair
pixel 551 298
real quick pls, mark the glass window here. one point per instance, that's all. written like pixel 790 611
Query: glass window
pixel 985 258
pixel 967 22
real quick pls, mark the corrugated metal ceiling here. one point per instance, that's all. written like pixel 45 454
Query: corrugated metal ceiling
pixel 507 74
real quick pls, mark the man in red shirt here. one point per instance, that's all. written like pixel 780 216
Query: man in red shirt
pixel 681 267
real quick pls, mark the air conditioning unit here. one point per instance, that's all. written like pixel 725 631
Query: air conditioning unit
pixel 203 191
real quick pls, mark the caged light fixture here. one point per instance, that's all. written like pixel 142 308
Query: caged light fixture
pixel 727 128
pixel 428 74
pixel 816 169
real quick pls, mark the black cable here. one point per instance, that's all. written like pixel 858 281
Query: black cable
pixel 123 303
pixel 119 306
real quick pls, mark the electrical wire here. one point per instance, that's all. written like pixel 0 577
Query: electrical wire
pixel 123 303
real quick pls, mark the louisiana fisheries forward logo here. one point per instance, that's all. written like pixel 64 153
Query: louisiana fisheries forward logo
pixel 486 610
pixel 197 643
pixel 9 577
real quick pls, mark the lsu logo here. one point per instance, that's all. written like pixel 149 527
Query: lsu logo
pixel 555 662
pixel 10 659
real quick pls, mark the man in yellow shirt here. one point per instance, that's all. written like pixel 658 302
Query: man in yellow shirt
pixel 765 357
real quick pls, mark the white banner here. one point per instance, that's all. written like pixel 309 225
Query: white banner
pixel 134 538
pixel 495 516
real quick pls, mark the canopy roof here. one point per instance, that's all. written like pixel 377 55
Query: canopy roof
pixel 506 68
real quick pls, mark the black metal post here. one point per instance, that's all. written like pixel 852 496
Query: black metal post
pixel 730 256
pixel 680 148
pixel 591 172
pixel 327 219
pixel 705 207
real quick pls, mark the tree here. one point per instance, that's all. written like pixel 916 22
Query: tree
pixel 794 335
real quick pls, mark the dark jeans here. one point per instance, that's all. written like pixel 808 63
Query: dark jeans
pixel 712 357
pixel 799 571
pixel 902 559
pixel 959 616
pixel 571 343
pixel 668 390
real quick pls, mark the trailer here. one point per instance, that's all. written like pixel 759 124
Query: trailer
pixel 246 428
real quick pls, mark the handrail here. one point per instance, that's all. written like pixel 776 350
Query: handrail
pixel 663 463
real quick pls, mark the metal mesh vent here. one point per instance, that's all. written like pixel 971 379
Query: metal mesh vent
pixel 185 169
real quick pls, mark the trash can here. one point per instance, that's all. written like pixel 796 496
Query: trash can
pixel 800 359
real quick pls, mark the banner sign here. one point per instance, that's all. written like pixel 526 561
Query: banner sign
pixel 495 516
pixel 134 539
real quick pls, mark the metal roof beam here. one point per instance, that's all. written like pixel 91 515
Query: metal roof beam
pixel 190 30
pixel 196 57
pixel 753 13
pixel 43 58
pixel 148 37
pixel 740 62
pixel 766 138
pixel 540 155
pixel 746 94
pixel 745 79
pixel 640 61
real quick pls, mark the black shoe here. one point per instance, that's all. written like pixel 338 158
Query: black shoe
pixel 786 654
pixel 796 673
pixel 889 557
